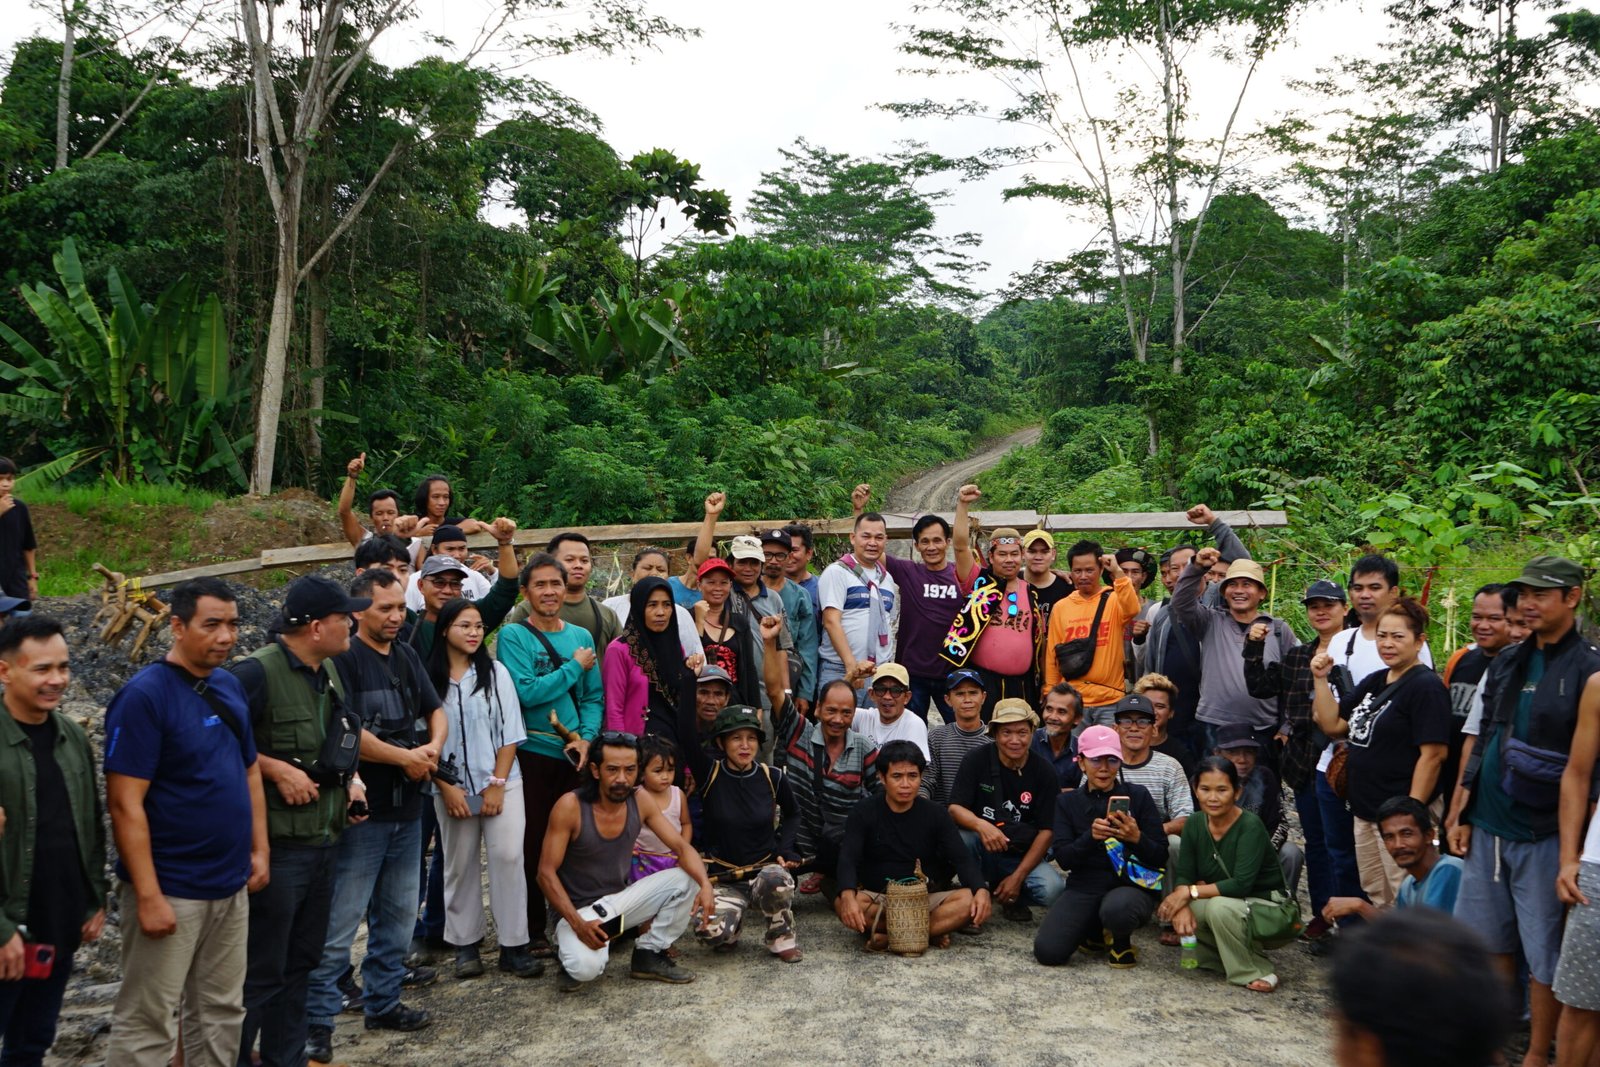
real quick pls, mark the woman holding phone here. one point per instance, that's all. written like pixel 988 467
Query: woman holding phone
pixel 1226 865
pixel 485 718
pixel 1110 843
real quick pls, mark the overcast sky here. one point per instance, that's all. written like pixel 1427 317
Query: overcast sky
pixel 762 74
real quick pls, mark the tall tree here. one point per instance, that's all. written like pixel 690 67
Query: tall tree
pixel 1135 162
pixel 871 209
pixel 295 96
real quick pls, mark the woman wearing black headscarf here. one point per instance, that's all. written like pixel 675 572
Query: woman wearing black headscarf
pixel 644 674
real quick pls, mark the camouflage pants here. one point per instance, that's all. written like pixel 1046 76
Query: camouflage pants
pixel 771 892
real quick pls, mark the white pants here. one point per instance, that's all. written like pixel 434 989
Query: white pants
pixel 463 875
pixel 666 898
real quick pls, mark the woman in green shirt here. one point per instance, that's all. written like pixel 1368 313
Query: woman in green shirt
pixel 1226 858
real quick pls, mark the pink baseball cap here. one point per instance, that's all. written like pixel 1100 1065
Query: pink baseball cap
pixel 1099 741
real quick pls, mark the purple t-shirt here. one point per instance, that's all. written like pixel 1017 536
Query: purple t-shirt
pixel 929 601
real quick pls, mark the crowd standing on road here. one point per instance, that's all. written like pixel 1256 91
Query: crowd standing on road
pixel 698 752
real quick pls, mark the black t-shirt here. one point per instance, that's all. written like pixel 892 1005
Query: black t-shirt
pixel 1464 678
pixel 736 816
pixel 1049 595
pixel 1385 738
pixel 390 693
pixel 1020 802
pixel 16 537
pixel 882 844
pixel 58 898
pixel 1262 795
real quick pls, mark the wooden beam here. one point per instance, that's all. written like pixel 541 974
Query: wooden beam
pixel 671 535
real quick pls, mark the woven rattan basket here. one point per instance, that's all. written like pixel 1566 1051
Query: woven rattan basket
pixel 905 912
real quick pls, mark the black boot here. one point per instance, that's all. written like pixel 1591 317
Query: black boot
pixel 469 964
pixel 520 962
pixel 657 967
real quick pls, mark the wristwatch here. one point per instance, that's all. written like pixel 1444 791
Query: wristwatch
pixel 1194 892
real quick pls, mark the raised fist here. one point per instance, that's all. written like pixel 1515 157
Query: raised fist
pixel 503 528
pixel 1108 564
pixel 860 495
pixel 715 502
pixel 1207 557
pixel 1258 632
pixel 1201 515
pixel 1321 665
pixel 968 494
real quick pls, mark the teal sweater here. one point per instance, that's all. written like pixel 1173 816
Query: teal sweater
pixel 572 692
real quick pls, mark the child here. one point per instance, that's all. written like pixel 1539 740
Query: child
pixel 949 742
pixel 660 760
pixel 19 564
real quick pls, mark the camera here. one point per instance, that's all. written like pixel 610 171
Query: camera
pixel 448 772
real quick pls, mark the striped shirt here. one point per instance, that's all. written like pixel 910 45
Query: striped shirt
pixel 846 781
pixel 949 745
pixel 1163 776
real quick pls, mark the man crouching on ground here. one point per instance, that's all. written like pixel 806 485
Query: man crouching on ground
pixel 584 872
pixel 887 835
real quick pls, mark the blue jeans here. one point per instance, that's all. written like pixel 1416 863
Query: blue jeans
pixel 832 672
pixel 1043 884
pixel 1339 839
pixel 28 1012
pixel 1319 864
pixel 430 886
pixel 926 690
pixel 288 925
pixel 377 879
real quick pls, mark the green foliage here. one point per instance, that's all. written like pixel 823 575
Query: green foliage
pixel 146 386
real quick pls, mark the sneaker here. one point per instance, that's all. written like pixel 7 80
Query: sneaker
pixel 319 1044
pixel 352 998
pixel 400 1018
pixel 421 952
pixel 1017 912
pixel 520 962
pixel 565 982
pixel 1123 957
pixel 417 977
pixel 469 963
pixel 653 966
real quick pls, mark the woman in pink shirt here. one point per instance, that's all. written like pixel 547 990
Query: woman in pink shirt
pixel 644 672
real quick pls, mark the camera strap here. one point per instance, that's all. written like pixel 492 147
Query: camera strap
pixel 205 692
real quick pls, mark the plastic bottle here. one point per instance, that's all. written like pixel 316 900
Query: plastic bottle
pixel 1190 960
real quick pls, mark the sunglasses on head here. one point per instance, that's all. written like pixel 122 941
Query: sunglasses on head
pixel 615 737
pixel 1006 541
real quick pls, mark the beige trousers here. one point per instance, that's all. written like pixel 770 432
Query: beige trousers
pixel 198 970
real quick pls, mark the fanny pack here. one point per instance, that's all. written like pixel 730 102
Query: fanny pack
pixel 1075 657
pixel 1532 776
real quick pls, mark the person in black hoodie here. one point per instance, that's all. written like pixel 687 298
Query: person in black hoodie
pixel 1112 859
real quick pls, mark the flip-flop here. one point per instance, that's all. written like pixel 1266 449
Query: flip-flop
pixel 811 883
pixel 1270 981
pixel 1170 938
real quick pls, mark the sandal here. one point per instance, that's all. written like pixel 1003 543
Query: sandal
pixel 541 949
pixel 811 883
pixel 1264 985
pixel 1170 938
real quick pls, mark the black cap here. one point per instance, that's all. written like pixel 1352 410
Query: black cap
pixel 1549 572
pixel 449 535
pixel 776 537
pixel 1322 589
pixel 1134 704
pixel 315 597
pixel 1236 735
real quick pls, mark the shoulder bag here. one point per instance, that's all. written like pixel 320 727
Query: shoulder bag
pixel 1272 921
pixel 1075 657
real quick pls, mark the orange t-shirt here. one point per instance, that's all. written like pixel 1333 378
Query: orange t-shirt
pixel 1070 619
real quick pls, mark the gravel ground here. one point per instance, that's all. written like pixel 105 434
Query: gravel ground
pixel 984 1001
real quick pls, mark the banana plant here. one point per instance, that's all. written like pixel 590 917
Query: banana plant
pixel 148 387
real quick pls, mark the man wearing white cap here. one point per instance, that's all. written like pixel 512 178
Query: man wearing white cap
pixel 887 720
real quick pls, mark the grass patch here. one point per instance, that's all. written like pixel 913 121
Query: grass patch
pixel 113 499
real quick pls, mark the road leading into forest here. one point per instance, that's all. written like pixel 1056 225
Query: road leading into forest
pixel 935 490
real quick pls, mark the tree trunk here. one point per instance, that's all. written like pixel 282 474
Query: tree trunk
pixel 1172 105
pixel 317 358
pixel 275 364
pixel 64 83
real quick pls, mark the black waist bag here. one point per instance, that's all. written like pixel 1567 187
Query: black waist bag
pixel 1075 657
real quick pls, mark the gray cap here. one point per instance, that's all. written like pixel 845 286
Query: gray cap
pixel 710 673
pixel 441 563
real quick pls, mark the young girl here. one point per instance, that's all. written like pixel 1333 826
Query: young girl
pixel 660 759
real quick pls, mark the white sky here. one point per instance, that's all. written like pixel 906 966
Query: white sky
pixel 762 74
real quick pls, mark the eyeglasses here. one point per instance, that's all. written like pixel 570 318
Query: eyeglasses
pixel 1006 541
pixel 468 627
pixel 890 690
pixel 1104 761
pixel 445 583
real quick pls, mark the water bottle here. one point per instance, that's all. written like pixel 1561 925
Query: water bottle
pixel 1190 960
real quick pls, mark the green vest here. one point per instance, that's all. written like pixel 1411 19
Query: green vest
pixel 295 725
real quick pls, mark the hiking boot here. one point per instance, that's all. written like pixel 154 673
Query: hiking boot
pixel 520 962
pixel 319 1044
pixel 421 952
pixel 1122 957
pixel 400 1018
pixel 351 997
pixel 469 963
pixel 417 977
pixel 565 982
pixel 657 967
pixel 1017 912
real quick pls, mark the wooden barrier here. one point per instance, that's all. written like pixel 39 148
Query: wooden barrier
pixel 673 535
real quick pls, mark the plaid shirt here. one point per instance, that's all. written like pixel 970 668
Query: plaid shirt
pixel 1289 680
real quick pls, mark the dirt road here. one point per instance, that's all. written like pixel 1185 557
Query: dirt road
pixel 935 490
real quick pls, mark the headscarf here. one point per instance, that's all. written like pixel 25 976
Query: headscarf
pixel 659 655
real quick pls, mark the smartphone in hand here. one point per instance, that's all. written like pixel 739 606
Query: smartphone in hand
pixel 1116 804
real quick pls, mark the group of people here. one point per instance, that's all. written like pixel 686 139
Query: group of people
pixel 738 731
